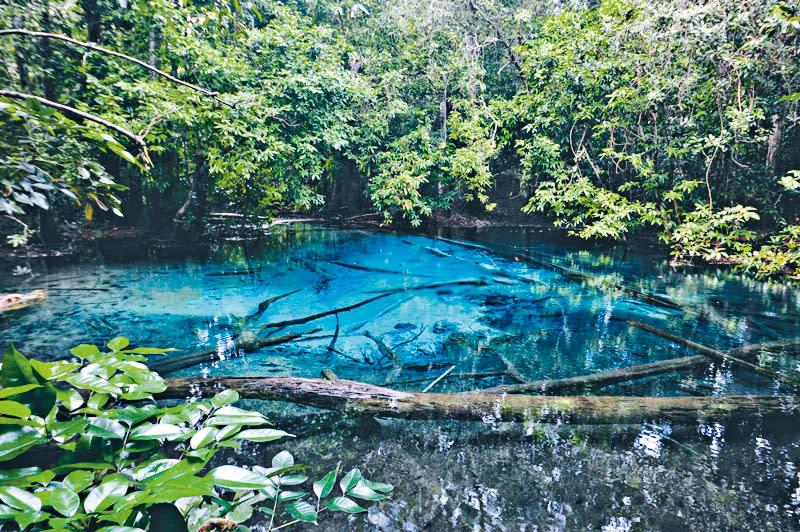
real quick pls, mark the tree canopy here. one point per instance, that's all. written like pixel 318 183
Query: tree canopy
pixel 611 117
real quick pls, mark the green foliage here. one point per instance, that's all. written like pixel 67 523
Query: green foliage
pixel 114 458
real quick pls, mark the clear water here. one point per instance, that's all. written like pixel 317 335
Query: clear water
pixel 740 475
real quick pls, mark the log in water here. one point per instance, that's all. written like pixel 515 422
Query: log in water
pixel 361 398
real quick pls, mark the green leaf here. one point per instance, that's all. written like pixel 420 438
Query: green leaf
pixel 282 460
pixel 350 480
pixel 84 350
pixel 225 397
pixel 25 476
pixel 8 392
pixel 12 449
pixel 343 504
pixel 119 343
pixel 106 428
pixel 19 498
pixel 63 431
pixel 323 487
pixel 120 528
pixel 54 370
pixel 227 431
pixel 153 468
pixel 230 415
pixel 97 400
pixel 93 383
pixel 17 371
pixel 203 437
pixel 14 409
pixel 363 492
pixel 235 478
pixel 302 510
pixel 113 487
pixel 78 481
pixel 152 431
pixel 261 435
pixel 70 398
pixel 65 501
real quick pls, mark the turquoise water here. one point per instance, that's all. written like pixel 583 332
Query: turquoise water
pixel 531 299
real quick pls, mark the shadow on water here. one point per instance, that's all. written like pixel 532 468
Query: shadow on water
pixel 546 308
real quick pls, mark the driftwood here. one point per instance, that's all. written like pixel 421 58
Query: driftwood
pixel 717 355
pixel 18 301
pixel 209 355
pixel 361 398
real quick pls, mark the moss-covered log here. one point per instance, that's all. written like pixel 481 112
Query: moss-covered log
pixel 361 398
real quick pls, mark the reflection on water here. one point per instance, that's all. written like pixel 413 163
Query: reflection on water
pixel 539 307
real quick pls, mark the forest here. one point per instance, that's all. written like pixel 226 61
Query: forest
pixel 544 255
pixel 677 119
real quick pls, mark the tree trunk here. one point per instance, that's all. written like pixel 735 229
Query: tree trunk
pixel 360 398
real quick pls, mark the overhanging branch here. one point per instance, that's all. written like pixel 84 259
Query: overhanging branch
pixel 92 46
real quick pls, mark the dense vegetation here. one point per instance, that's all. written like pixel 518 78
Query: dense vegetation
pixel 111 460
pixel 679 117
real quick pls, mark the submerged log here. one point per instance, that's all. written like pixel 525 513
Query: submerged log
pixel 572 274
pixel 383 294
pixel 602 378
pixel 209 355
pixel 361 398
pixel 717 355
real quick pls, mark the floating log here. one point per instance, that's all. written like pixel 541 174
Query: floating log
pixel 748 351
pixel 209 355
pixel 602 378
pixel 18 301
pixel 360 398
pixel 717 355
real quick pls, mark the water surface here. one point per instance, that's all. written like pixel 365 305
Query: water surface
pixel 530 299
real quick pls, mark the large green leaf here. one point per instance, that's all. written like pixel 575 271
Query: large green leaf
pixel 323 487
pixel 203 437
pixel 93 383
pixel 17 371
pixel 113 487
pixel 156 431
pixel 361 491
pixel 225 397
pixel 233 477
pixel 106 428
pixel 119 343
pixel 8 392
pixel 350 480
pixel 302 510
pixel 343 504
pixel 65 501
pixel 261 435
pixel 20 444
pixel 78 481
pixel 282 460
pixel 19 498
pixel 14 409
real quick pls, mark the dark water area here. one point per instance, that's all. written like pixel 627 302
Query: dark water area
pixel 481 301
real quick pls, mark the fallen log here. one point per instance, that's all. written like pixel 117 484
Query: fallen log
pixel 360 398
pixel 717 355
pixel 602 378
pixel 749 351
pixel 171 364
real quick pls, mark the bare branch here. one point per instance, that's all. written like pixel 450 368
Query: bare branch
pixel 77 112
pixel 92 46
